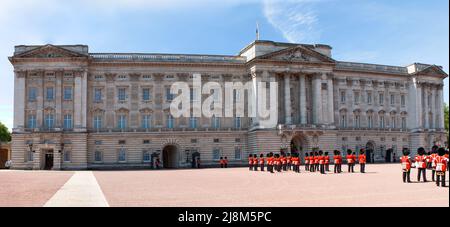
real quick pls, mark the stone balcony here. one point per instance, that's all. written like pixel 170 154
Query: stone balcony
pixel 166 58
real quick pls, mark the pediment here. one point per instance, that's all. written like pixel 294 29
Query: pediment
pixel 298 54
pixel 434 71
pixel 49 51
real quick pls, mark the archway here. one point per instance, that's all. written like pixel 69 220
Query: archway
pixel 170 157
pixel 299 145
pixel 370 148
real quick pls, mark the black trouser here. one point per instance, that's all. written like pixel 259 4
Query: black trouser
pixel 351 167
pixel 221 165
pixel 306 167
pixel 424 174
pixel 255 167
pixel 262 167
pixel 284 167
pixel 433 173
pixel 363 167
pixel 312 168
pixel 270 168
pixel 297 168
pixel 327 167
pixel 250 167
pixel 336 168
pixel 440 179
pixel 317 167
pixel 226 165
pixel 406 176
pixel 322 168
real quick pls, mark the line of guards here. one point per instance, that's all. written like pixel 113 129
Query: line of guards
pixel 436 161
pixel 314 162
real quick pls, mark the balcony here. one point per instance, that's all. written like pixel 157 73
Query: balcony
pixel 166 58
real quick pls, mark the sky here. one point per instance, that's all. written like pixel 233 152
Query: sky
pixel 369 31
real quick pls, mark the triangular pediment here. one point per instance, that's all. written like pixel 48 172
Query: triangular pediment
pixel 298 54
pixel 433 70
pixel 49 51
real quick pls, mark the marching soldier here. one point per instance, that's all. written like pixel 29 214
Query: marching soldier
pixel 321 159
pixel 327 162
pixel 350 161
pixel 312 166
pixel 433 163
pixel 406 165
pixel 421 164
pixel 337 162
pixel 362 160
pixel 255 162
pixel 441 167
pixel 428 160
pixel 297 162
pixel 283 161
pixel 261 162
pixel 306 162
pixel 289 161
pixel 250 162
pixel 225 162
pixel 270 162
pixel 316 161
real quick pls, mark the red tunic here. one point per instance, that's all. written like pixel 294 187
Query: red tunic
pixel 350 159
pixel 406 163
pixel 327 159
pixel 261 161
pixel 250 161
pixel 316 159
pixel 289 160
pixel 441 163
pixel 283 160
pixel 321 160
pixel 337 159
pixel 421 161
pixel 255 161
pixel 433 157
pixel 362 159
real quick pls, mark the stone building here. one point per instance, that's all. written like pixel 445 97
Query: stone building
pixel 76 110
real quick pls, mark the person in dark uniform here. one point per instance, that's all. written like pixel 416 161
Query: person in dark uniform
pixel 225 162
pixel 421 164
pixel 270 162
pixel 221 162
pixel 406 166
pixel 198 162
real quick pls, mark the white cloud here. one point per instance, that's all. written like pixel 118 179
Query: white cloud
pixel 297 20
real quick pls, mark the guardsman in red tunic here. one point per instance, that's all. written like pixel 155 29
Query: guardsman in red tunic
pixel 321 159
pixel 283 162
pixel 316 161
pixel 406 165
pixel 297 162
pixel 221 162
pixel 441 167
pixel 289 161
pixel 294 162
pixel 327 162
pixel 433 163
pixel 350 161
pixel 225 162
pixel 362 160
pixel 421 164
pixel 270 162
pixel 250 162
pixel 261 162
pixel 312 166
pixel 306 162
pixel 255 162
pixel 337 161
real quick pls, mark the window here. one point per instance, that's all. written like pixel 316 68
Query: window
pixel 170 121
pixel 97 122
pixel 67 93
pixel 403 101
pixel 370 121
pixel 122 94
pixel 49 93
pixel 146 142
pixel 216 140
pixel 122 157
pixel 67 121
pixel 146 156
pixel 393 122
pixel 169 96
pixel 237 140
pixel 146 121
pixel 237 153
pixel 98 156
pixel 97 94
pixel 122 121
pixel 66 157
pixel 342 96
pixel 381 99
pixel 357 123
pixel 236 96
pixel 381 121
pixel 122 142
pixel 356 94
pixel 216 154
pixel 146 94
pixel 194 140
pixel 31 121
pixel 403 122
pixel 344 121
pixel 30 156
pixel 429 100
pixel 237 122
pixel 32 93
pixel 369 98
pixel 215 122
pixel 193 122
pixel 392 100
pixel 49 121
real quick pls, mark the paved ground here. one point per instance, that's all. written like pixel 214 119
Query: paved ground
pixel 380 186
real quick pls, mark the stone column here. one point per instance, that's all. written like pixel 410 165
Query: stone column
pixel 19 100
pixel 441 107
pixel 58 98
pixel 419 105
pixel 78 103
pixel 303 119
pixel 330 100
pixel 40 100
pixel 255 83
pixel 84 104
pixel 317 99
pixel 432 123
pixel 287 99
pixel 426 107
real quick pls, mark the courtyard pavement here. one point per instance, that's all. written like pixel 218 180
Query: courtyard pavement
pixel 234 187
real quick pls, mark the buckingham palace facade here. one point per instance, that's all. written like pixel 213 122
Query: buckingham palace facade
pixel 79 110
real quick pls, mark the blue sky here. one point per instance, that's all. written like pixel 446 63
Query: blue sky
pixel 372 31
